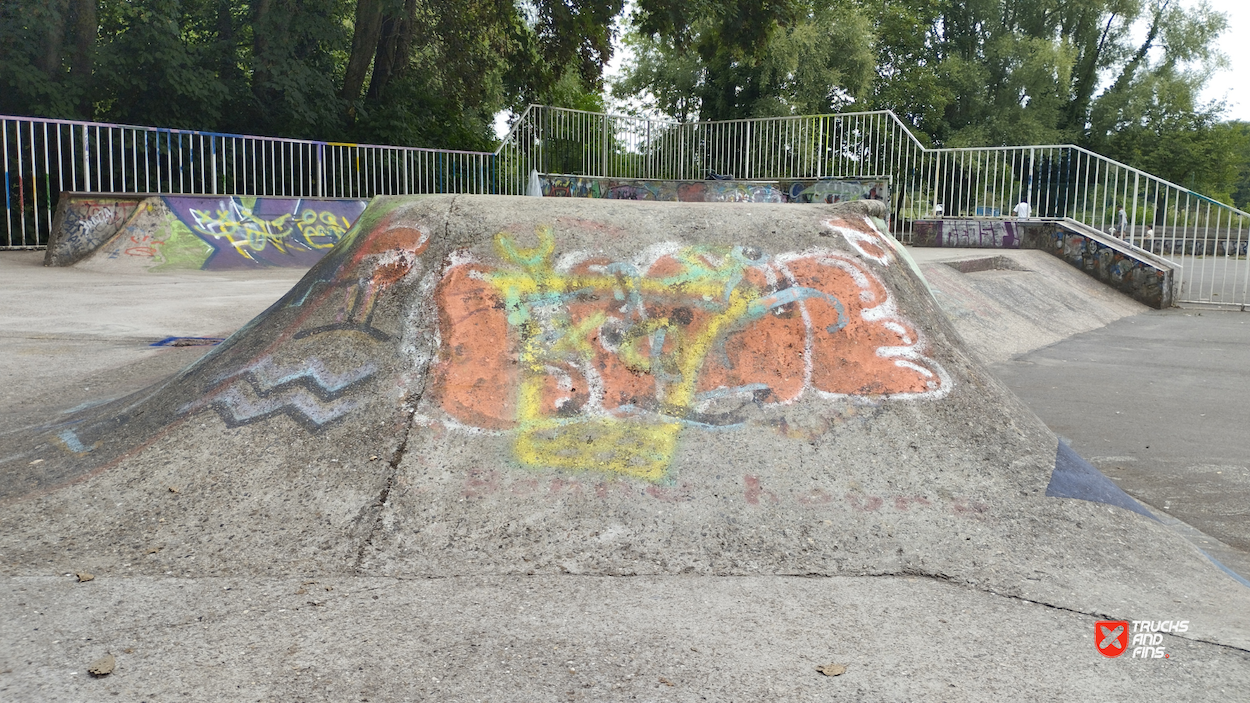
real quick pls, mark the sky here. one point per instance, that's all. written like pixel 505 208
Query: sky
pixel 1231 82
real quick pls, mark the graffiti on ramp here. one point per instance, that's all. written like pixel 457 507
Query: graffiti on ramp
pixel 591 363
pixel 231 232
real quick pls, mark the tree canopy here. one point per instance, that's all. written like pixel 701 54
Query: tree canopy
pixel 1119 76
pixel 412 72
pixel 748 58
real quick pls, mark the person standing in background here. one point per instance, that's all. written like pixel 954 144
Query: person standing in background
pixel 1121 222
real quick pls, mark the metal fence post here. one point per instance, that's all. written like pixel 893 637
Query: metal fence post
pixel 1132 223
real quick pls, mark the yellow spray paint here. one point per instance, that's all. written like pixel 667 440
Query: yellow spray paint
pixel 632 446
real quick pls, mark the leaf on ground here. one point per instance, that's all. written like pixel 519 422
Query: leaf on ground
pixel 102 666
pixel 832 669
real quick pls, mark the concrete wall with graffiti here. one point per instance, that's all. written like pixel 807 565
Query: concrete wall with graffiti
pixel 710 191
pixel 213 233
pixel 1140 274
pixel 84 221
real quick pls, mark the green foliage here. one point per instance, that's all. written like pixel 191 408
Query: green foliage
pixel 34 75
pixel 1032 72
pixel 147 73
pixel 409 72
pixel 737 58
pixel 1118 76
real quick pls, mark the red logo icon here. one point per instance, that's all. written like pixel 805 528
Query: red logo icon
pixel 1111 637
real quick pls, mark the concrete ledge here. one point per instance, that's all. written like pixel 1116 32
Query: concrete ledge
pixel 1144 276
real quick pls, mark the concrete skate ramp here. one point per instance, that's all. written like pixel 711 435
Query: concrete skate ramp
pixel 1138 273
pixel 196 232
pixel 1005 303
pixel 84 221
pixel 492 386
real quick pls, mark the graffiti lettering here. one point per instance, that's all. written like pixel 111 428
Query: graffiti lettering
pixel 84 228
pixel 247 232
pixel 199 232
pixel 966 233
pixel 85 224
pixel 603 363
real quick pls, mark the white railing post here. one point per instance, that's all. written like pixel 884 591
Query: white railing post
pixel 1132 223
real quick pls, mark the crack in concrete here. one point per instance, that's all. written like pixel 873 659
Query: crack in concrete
pixel 392 473
pixel 943 578
pixel 940 578
pixel 410 402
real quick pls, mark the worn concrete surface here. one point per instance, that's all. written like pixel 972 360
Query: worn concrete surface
pixel 1157 402
pixel 1012 301
pixel 562 638
pixel 1154 399
pixel 73 336
pixel 354 480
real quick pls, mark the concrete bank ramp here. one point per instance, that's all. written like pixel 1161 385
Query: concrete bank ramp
pixel 1009 302
pixel 138 233
pixel 484 386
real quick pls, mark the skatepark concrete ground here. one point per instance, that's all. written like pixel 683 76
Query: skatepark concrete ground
pixel 1155 399
pixel 73 338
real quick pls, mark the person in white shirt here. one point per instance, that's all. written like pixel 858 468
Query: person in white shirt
pixel 1023 210
pixel 1121 222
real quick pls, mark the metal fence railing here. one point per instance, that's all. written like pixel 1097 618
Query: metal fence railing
pixel 43 158
pixel 574 142
pixel 1208 238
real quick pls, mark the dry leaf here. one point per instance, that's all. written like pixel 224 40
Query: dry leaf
pixel 666 682
pixel 832 669
pixel 83 577
pixel 102 666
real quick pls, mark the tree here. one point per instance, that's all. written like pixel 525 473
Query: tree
pixel 737 58
pixel 46 52
pixel 409 72
pixel 1000 72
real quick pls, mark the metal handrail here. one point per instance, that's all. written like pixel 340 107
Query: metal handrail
pixel 1060 180
pixel 45 157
